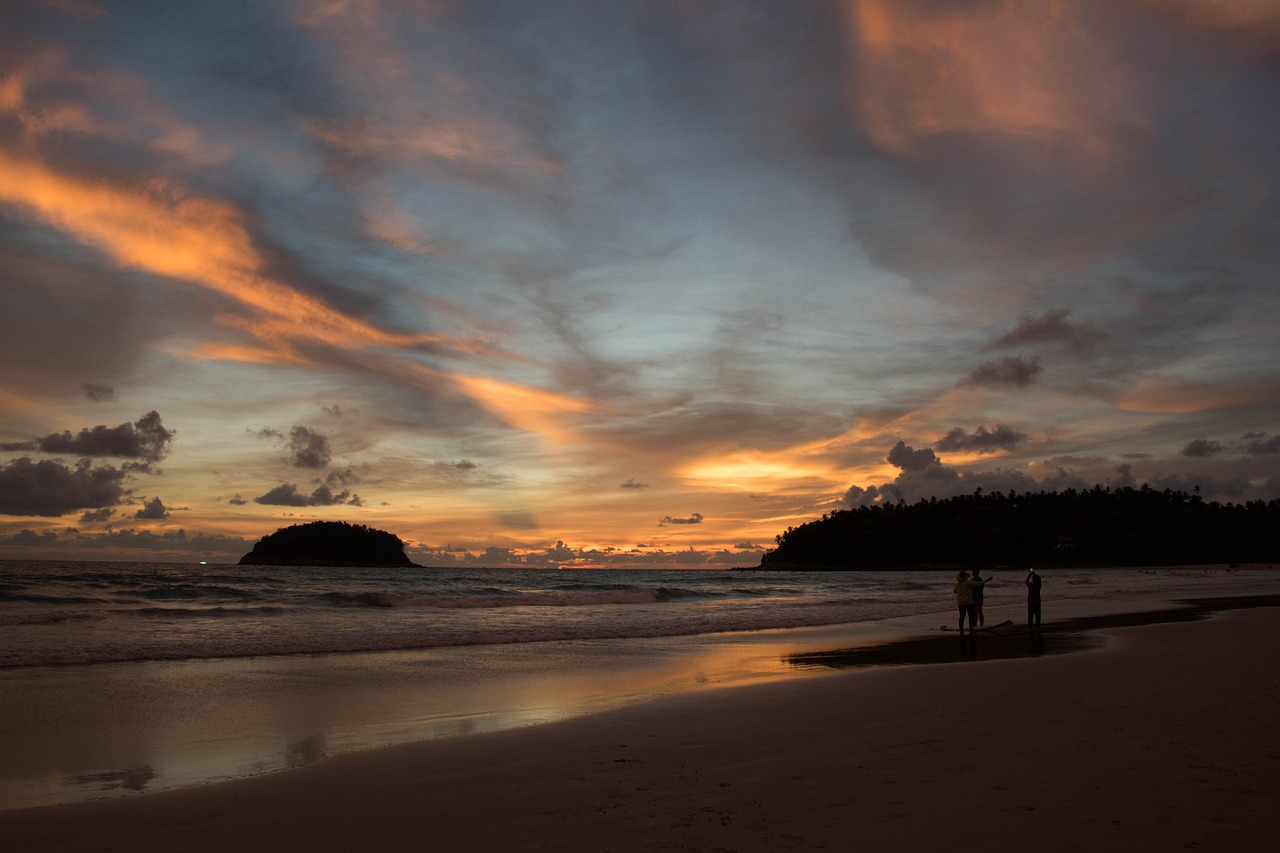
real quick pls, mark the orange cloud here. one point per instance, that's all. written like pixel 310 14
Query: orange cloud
pixel 531 409
pixel 39 119
pixel 1169 394
pixel 158 230
pixel 223 351
pixel 1018 69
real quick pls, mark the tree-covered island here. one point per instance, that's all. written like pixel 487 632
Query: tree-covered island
pixel 328 543
pixel 1095 527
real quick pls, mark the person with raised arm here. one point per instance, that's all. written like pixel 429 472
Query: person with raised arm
pixel 1033 600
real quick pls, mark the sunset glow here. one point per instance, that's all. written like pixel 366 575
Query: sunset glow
pixel 615 284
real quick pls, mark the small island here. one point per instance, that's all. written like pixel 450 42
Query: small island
pixel 328 543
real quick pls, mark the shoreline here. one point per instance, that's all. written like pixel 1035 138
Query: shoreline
pixel 1107 746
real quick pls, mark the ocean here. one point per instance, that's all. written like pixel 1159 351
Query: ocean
pixel 120 678
pixel 85 613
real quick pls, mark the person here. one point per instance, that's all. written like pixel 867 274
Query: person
pixel 978 591
pixel 964 599
pixel 1033 600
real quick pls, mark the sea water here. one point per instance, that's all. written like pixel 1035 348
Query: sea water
pixel 117 678
pixel 83 613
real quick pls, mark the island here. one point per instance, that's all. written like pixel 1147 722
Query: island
pixel 328 543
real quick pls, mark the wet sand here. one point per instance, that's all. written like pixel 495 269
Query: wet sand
pixel 1163 737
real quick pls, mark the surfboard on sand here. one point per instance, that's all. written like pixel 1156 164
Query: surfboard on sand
pixel 1005 624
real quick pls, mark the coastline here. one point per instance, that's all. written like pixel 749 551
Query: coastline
pixel 1163 737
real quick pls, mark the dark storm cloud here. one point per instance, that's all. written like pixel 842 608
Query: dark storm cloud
pixel 98 393
pixel 310 449
pixel 153 509
pixel 287 494
pixel 1201 448
pixel 51 488
pixel 146 439
pixel 982 440
pixel 1009 370
pixel 1050 327
pixel 696 518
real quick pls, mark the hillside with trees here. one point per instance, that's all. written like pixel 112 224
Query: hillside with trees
pixel 328 543
pixel 1096 527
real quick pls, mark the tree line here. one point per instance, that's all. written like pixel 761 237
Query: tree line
pixel 1094 527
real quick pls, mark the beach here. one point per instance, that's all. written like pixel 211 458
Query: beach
pixel 1159 737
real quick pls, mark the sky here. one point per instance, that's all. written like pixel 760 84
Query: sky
pixel 625 283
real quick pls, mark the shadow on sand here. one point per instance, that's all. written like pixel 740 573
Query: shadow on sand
pixel 1017 641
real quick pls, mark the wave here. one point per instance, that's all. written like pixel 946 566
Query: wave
pixel 31 598
pixel 189 592
pixel 186 612
pixel 55 617
pixel 620 594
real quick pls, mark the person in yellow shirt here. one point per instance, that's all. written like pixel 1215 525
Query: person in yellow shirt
pixel 965 587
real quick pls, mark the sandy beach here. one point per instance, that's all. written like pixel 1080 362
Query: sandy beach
pixel 1164 738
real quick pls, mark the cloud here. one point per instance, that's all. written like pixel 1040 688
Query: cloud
pixel 343 477
pixel 908 459
pixel 96 516
pixel 153 509
pixel 1201 448
pixel 696 518
pixel 27 538
pixel 981 440
pixel 1050 327
pixel 147 439
pixel 1261 447
pixel 51 488
pixel 287 494
pixel 310 449
pixel 1009 370
pixel 925 476
pixel 633 484
pixel 98 393
pixel 85 545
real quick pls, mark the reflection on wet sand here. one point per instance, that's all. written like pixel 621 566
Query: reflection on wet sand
pixel 129 779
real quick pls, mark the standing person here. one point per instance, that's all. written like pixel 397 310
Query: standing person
pixel 979 588
pixel 964 600
pixel 1033 600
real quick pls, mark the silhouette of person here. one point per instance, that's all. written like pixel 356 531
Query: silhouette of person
pixel 979 589
pixel 1033 599
pixel 964 599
